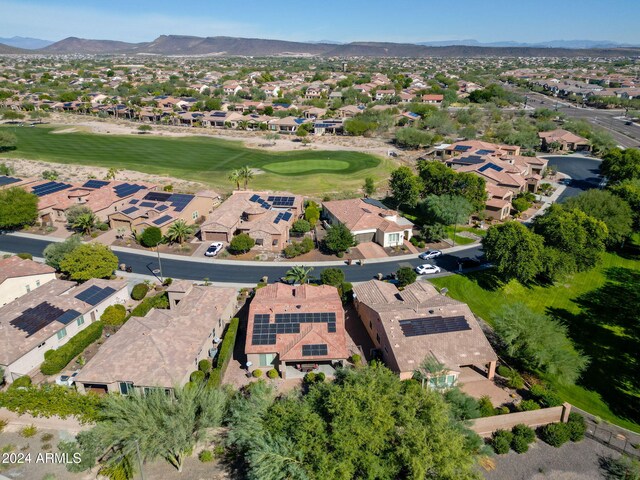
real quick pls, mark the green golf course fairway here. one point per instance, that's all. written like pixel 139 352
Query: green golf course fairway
pixel 202 159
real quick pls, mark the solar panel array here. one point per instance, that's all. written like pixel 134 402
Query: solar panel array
pixel 315 350
pixel 157 196
pixel 485 152
pixel 492 166
pixel 162 208
pixel 281 201
pixel 147 204
pixel 180 200
pixel 130 210
pixel 126 189
pixel 49 187
pixel 95 184
pixel 67 317
pixel 461 148
pixel 133 201
pixel 433 325
pixel 8 180
pixel 34 319
pixel 94 294
pixel 163 219
pixel 264 333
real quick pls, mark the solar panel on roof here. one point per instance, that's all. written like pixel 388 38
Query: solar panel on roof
pixel 67 317
pixel 461 148
pixel 130 210
pixel 163 219
pixel 95 184
pixel 126 189
pixel 157 196
pixel 254 198
pixel 278 218
pixel 314 350
pixel 49 188
pixel 133 201
pixel 147 204
pixel 492 166
pixel 162 208
pixel 34 319
pixel 286 216
pixel 433 325
pixel 94 295
pixel 265 333
pixel 4 180
pixel 485 152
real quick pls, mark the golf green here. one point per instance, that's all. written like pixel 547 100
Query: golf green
pixel 200 158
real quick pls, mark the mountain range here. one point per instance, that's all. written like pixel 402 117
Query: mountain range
pixel 25 42
pixel 182 45
pixel 577 44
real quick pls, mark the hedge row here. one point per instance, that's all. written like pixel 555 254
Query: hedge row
pixel 225 353
pixel 161 300
pixel 56 360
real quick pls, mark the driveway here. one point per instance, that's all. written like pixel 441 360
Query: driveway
pixel 584 173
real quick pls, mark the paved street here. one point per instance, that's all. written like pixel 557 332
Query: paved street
pixel 584 173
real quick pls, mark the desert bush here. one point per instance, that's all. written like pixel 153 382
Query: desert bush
pixel 257 373
pixel 139 291
pixel 501 441
pixel 555 434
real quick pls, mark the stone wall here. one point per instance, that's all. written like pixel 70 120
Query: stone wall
pixel 535 418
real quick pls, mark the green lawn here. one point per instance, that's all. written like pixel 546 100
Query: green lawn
pixel 203 159
pixel 601 309
pixel 460 240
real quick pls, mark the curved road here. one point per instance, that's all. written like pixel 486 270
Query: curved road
pixel 583 170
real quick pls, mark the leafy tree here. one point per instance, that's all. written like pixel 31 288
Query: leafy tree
pixel 301 226
pixel 413 137
pixel 298 274
pixel 159 425
pixel 447 210
pixel 179 231
pixel 438 179
pixel 405 186
pixel 406 276
pixel 339 238
pixel 55 252
pixel 608 208
pixel 50 175
pixel 151 237
pixel 312 213
pixel 433 233
pixel 514 250
pixel 369 186
pixel 17 208
pixel 520 204
pixel 84 223
pixel 6 169
pixel 332 276
pixel 8 141
pixel 114 315
pixel 241 243
pixel 463 407
pixel 539 342
pixel 91 260
pixel 72 213
pixel 557 264
pixel 629 190
pixel 618 165
pixel 12 115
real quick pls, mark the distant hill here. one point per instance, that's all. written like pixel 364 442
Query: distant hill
pixel 26 42
pixel 572 44
pixel 8 49
pixel 232 46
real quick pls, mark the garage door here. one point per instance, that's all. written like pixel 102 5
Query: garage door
pixel 214 236
pixel 365 237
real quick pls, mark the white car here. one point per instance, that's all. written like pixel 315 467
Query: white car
pixel 429 254
pixel 67 380
pixel 427 269
pixel 213 249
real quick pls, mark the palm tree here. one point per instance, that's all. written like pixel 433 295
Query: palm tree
pixel 246 174
pixel 298 274
pixel 236 178
pixel 430 368
pixel 179 231
pixel 111 174
pixel 85 223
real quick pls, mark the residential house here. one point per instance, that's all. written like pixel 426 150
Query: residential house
pixel 163 348
pixel 349 111
pixel 296 328
pixel 498 205
pixel 369 221
pixel 564 141
pixel 433 98
pixel 48 316
pixel 20 276
pixel 287 125
pixel 265 217
pixel 163 209
pixel 418 322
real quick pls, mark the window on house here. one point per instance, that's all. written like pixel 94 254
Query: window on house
pixel 275 242
pixel 126 388
pixel 37 283
pixel 394 238
pixel 80 320
pixel 62 333
pixel 259 241
pixel 378 337
pixel 28 288
pixel 195 215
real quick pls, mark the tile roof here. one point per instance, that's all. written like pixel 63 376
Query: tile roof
pixel 357 215
pixel 14 266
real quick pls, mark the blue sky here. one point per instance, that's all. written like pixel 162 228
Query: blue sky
pixel 339 20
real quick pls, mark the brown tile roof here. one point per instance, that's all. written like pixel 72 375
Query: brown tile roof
pixel 33 318
pixel 422 300
pixel 281 298
pixel 358 215
pixel 15 266
pixel 160 349
pixel 561 135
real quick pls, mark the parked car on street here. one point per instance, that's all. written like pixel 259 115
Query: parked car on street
pixel 427 269
pixel 429 254
pixel 213 249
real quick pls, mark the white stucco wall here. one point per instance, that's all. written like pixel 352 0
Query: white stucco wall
pixel 16 287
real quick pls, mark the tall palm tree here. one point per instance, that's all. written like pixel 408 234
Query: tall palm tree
pixel 85 223
pixel 236 178
pixel 246 174
pixel 179 231
pixel 298 274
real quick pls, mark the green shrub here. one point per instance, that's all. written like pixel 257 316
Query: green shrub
pixel 514 379
pixel 545 397
pixel 56 360
pixel 139 291
pixel 310 378
pixel 519 444
pixel 299 248
pixel 25 256
pixel 241 243
pixel 346 291
pixel 151 237
pixel 501 441
pixel 321 377
pixel 356 359
pixel 300 226
pixel 160 301
pixel 273 373
pixel 23 381
pixel 555 434
pixel 46 437
pixel 522 430
pixel 204 365
pixel 114 315
pixel 577 427
pixel 486 407
pixel 257 373
pixel 502 410
pixel 28 431
pixel 224 354
pixel 205 456
pixel 528 405
pixel 167 281
pixel 197 377
pixel 3 424
pixel 332 276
